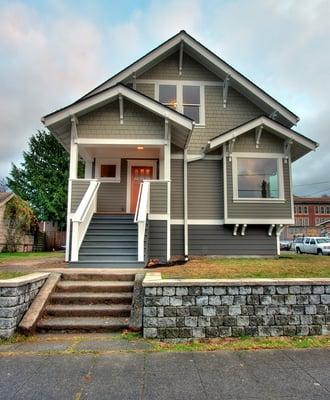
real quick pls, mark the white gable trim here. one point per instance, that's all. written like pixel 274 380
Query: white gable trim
pixel 261 121
pixel 204 52
pixel 111 93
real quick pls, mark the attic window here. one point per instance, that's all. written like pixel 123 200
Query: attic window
pixel 185 98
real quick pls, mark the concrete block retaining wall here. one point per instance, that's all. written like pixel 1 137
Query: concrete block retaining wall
pixel 187 309
pixel 16 295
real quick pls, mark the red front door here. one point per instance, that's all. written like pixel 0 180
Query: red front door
pixel 138 174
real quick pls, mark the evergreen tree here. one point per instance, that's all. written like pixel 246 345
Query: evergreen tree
pixel 42 178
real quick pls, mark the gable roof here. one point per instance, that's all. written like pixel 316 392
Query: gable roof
pixel 98 99
pixel 214 63
pixel 5 197
pixel 305 144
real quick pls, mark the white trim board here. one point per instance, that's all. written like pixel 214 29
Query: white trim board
pixel 198 222
pixel 259 221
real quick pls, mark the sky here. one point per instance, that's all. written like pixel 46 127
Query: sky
pixel 54 51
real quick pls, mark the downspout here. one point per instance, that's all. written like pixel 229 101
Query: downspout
pixel 185 195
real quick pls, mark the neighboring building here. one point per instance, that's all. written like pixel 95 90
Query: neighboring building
pixel 309 213
pixel 193 150
pixel 25 242
pixel 325 228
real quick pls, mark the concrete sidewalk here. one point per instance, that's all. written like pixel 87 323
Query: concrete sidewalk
pixel 113 368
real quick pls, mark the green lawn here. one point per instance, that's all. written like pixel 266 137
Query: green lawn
pixel 289 265
pixel 5 257
pixel 10 275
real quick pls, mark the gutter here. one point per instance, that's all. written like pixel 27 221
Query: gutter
pixel 185 195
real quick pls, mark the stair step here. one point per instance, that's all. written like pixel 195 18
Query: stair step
pixel 93 256
pixel 94 286
pixel 85 324
pixel 113 222
pixel 109 231
pixel 117 251
pixel 91 298
pixel 97 276
pixel 110 225
pixel 89 310
pixel 112 236
pixel 107 264
pixel 113 216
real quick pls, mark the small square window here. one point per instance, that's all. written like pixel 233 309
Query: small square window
pixel 108 170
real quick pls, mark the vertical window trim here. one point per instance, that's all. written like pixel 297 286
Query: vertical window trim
pixel 237 199
pixel 179 97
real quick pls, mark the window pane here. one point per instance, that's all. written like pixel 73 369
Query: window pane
pixel 192 112
pixel 167 94
pixel 108 171
pixel 257 177
pixel 191 95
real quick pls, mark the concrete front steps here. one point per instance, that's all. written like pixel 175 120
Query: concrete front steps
pixel 87 302
pixel 111 241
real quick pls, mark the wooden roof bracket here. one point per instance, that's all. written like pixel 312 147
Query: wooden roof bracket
pixel 258 135
pixel 287 149
pixel 74 123
pixel 270 229
pixel 231 147
pixel 225 91
pixel 243 229
pixel 134 80
pixel 181 58
pixel 121 109
pixel 273 114
pixel 235 229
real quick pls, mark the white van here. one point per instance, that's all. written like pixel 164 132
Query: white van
pixel 314 245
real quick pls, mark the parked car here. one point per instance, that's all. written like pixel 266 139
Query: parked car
pixel 285 244
pixel 297 242
pixel 314 245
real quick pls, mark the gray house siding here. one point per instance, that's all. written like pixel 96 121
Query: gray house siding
pixel 111 197
pixel 269 143
pixel 219 119
pixel 169 69
pixel 104 122
pixel 176 189
pixel 78 190
pixel 205 190
pixel 259 210
pixel 158 198
pixel 146 88
pixel 219 240
pixel 177 240
pixel 157 239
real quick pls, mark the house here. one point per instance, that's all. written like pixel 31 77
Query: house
pixel 184 156
pixel 11 238
pixel 309 214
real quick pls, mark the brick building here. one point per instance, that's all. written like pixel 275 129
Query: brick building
pixel 309 213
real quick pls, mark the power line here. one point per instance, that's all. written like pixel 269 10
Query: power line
pixel 319 191
pixel 314 183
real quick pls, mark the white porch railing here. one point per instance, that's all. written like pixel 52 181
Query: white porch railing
pixel 82 218
pixel 142 210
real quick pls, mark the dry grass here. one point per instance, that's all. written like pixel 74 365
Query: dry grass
pixel 10 275
pixel 287 266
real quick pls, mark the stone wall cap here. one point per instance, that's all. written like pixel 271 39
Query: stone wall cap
pixel 153 279
pixel 24 280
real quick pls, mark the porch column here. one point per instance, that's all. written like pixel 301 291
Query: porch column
pixel 88 170
pixel 167 176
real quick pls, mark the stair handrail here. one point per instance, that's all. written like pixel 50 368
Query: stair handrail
pixel 142 210
pixel 82 217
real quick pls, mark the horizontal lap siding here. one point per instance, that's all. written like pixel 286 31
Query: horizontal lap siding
pixel 219 240
pixel 176 189
pixel 169 69
pixel 104 123
pixel 78 190
pixel 269 143
pixel 111 197
pixel 157 239
pixel 261 210
pixel 158 198
pixel 177 240
pixel 205 189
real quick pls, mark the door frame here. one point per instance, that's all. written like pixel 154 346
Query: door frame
pixel 137 163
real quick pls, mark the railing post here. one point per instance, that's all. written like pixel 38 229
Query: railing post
pixel 74 242
pixel 141 231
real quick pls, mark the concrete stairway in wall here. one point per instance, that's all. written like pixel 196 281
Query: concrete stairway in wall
pixel 89 302
pixel 111 241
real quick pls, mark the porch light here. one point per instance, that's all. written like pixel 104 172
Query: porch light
pixel 140 147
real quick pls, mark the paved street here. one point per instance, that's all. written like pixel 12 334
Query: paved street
pixel 123 370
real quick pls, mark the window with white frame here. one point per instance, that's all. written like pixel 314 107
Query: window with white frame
pixel 185 98
pixel 108 170
pixel 257 178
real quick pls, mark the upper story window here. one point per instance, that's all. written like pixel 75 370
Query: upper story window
pixel 257 178
pixel 185 98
